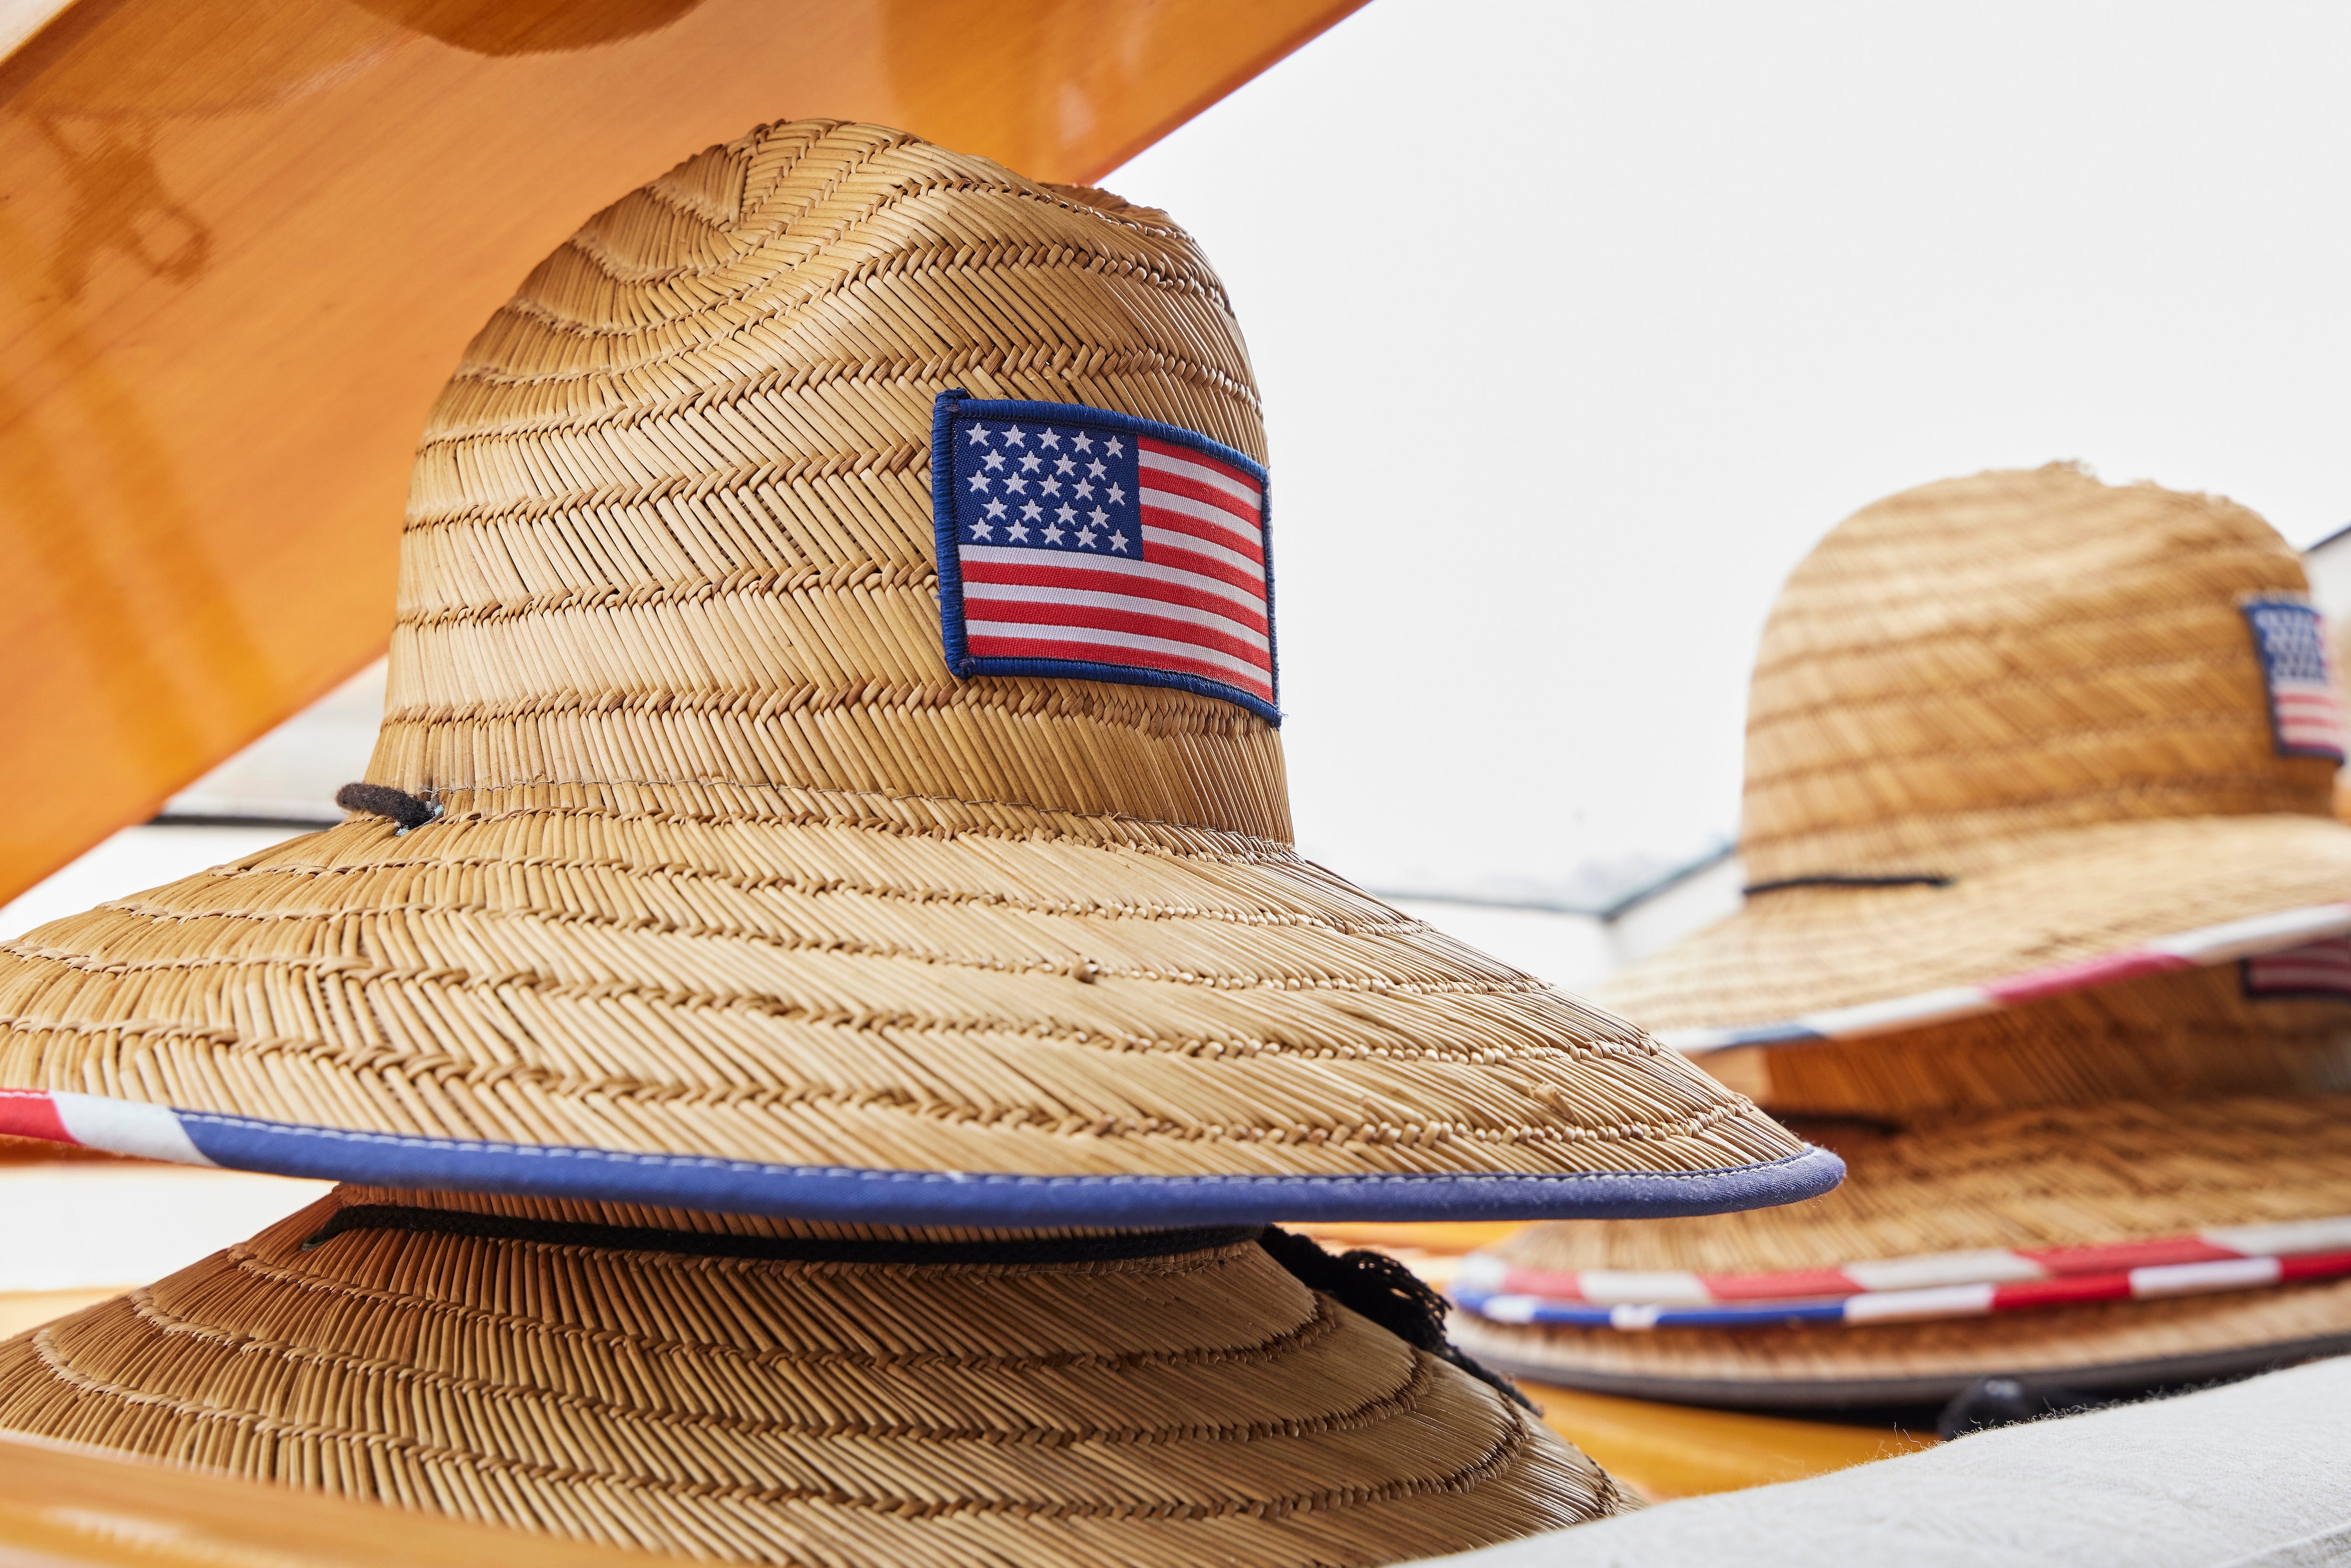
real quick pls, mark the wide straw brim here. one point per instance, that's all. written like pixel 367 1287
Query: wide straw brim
pixel 1197 1406
pixel 775 1001
pixel 2039 916
pixel 2064 1177
pixel 2214 1031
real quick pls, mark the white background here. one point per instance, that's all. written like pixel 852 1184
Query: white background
pixel 1579 323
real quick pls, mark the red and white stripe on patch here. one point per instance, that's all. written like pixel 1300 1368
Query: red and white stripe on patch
pixel 1090 545
pixel 2319 969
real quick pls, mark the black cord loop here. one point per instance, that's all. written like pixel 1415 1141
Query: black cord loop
pixel 1377 1287
pixel 384 800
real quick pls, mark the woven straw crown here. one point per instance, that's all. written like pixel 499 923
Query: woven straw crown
pixel 671 523
pixel 2012 736
pixel 737 896
pixel 1983 658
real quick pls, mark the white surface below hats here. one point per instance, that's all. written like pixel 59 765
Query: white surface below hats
pixel 2254 1475
pixel 96 1225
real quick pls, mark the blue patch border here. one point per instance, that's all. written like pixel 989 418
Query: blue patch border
pixel 956 403
pixel 852 1195
pixel 2269 665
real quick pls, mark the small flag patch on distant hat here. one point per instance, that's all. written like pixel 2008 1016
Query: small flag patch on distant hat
pixel 2319 969
pixel 2305 714
pixel 1094 546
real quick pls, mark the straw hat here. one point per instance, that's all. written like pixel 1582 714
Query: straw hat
pixel 719 866
pixel 2014 735
pixel 774 1391
pixel 2119 1246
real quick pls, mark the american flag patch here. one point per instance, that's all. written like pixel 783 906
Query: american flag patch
pixel 2319 969
pixel 1090 545
pixel 2305 714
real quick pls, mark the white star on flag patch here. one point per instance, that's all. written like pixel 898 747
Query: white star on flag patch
pixel 1095 546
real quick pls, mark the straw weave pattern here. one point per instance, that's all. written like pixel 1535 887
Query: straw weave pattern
pixel 1169 1410
pixel 729 863
pixel 2191 1032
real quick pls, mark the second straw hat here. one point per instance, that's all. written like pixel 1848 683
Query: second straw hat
pixel 2010 736
pixel 833 767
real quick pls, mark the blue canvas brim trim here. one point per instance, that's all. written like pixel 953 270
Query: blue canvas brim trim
pixel 941 1198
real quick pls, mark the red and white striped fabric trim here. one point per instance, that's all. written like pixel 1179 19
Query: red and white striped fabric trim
pixel 2156 1282
pixel 1483 1272
pixel 117 1126
pixel 2320 969
pixel 2223 943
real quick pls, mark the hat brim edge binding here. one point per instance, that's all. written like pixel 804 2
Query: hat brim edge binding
pixel 896 1197
pixel 1850 1393
pixel 2197 948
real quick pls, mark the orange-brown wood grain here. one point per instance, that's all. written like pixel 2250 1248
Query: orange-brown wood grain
pixel 243 243
pixel 1666 1451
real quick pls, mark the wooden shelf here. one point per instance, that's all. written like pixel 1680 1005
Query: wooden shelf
pixel 243 243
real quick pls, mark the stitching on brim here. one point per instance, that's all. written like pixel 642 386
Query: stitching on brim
pixel 1282 853
pixel 970 1178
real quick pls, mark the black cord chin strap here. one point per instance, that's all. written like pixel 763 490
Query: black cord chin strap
pixel 1842 879
pixel 1377 1287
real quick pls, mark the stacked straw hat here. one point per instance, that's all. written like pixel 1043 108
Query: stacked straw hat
pixel 815 1003
pixel 2044 919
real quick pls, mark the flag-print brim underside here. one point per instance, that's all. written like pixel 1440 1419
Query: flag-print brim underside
pixel 2187 1195
pixel 2100 1347
pixel 909 1011
pixel 2057 912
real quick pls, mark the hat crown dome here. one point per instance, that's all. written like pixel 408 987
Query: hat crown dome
pixel 671 521
pixel 1979 658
